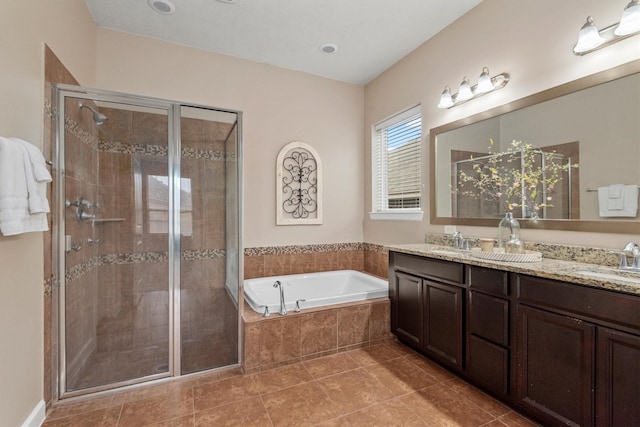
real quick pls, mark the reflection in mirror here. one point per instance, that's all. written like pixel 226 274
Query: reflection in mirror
pixel 593 122
pixel 530 182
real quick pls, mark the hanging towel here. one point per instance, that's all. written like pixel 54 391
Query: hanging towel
pixel 37 177
pixel 628 197
pixel 15 170
pixel 615 197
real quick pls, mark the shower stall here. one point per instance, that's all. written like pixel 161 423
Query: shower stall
pixel 147 239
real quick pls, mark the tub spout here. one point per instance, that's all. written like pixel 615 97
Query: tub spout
pixel 283 308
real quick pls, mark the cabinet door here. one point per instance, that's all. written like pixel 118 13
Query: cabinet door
pixel 443 322
pixel 618 378
pixel 408 309
pixel 555 367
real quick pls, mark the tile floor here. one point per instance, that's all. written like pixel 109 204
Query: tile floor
pixel 383 385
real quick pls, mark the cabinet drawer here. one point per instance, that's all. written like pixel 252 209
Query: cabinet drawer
pixel 611 308
pixel 488 280
pixel 448 271
pixel 489 317
pixel 488 364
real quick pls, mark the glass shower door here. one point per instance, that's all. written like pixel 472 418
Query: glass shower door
pixel 116 292
pixel 208 287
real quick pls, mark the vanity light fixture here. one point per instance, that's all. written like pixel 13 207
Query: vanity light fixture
pixel 590 38
pixel 466 92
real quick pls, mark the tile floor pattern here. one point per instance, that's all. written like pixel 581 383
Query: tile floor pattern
pixel 383 385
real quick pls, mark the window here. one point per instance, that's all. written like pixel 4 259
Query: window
pixel 396 165
pixel 158 205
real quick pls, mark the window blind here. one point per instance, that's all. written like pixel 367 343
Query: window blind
pixel 397 162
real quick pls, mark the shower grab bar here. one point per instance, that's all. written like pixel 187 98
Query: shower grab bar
pixel 102 220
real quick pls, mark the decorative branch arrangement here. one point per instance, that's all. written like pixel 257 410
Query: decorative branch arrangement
pixel 522 176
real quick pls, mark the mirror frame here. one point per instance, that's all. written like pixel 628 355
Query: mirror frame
pixel 604 226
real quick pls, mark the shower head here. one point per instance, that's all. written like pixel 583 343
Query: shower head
pixel 98 118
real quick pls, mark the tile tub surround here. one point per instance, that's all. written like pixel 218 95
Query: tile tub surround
pixel 283 340
pixel 548 268
pixel 269 261
pixel 382 385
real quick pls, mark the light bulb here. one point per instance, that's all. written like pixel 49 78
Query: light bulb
pixel 445 99
pixel 464 92
pixel 630 21
pixel 484 82
pixel 589 38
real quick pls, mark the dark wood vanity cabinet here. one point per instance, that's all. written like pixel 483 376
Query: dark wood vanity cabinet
pixel 578 353
pixel 442 328
pixel 488 329
pixel 618 378
pixel 409 301
pixel 556 366
pixel 426 306
pixel 562 353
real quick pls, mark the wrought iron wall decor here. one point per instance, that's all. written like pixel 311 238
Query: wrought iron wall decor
pixel 298 185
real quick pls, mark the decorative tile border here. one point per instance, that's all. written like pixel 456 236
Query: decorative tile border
pixel 77 271
pixel 374 247
pixel 79 132
pixel 48 285
pixel 302 249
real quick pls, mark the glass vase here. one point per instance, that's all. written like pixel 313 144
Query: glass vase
pixel 507 227
pixel 514 245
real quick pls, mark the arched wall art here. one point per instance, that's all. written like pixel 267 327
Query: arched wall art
pixel 298 185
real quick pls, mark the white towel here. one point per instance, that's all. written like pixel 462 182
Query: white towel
pixel 15 217
pixel 37 176
pixel 615 197
pixel 629 198
pixel 38 163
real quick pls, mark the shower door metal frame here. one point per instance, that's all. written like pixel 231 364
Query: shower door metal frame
pixel 173 109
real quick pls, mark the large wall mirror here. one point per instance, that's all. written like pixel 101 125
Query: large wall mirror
pixel 572 142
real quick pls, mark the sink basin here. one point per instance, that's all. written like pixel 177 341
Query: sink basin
pixel 609 276
pixel 445 252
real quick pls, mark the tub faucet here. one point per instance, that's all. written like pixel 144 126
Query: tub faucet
pixel 283 308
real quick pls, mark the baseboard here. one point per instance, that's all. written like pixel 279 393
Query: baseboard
pixel 36 417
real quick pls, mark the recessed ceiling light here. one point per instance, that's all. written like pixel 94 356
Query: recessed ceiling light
pixel 162 6
pixel 227 1
pixel 328 48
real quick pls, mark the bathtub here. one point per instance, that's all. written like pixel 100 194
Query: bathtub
pixel 317 289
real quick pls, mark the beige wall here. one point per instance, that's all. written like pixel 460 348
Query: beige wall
pixel 531 40
pixel 279 106
pixel 68 28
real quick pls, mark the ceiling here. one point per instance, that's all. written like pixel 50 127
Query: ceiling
pixel 370 35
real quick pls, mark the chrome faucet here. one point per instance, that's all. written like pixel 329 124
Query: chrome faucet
pixel 631 250
pixel 460 242
pixel 457 239
pixel 283 308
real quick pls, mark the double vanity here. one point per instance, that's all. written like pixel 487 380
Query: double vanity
pixel 558 340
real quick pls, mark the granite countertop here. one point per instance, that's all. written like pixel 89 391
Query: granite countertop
pixel 555 269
